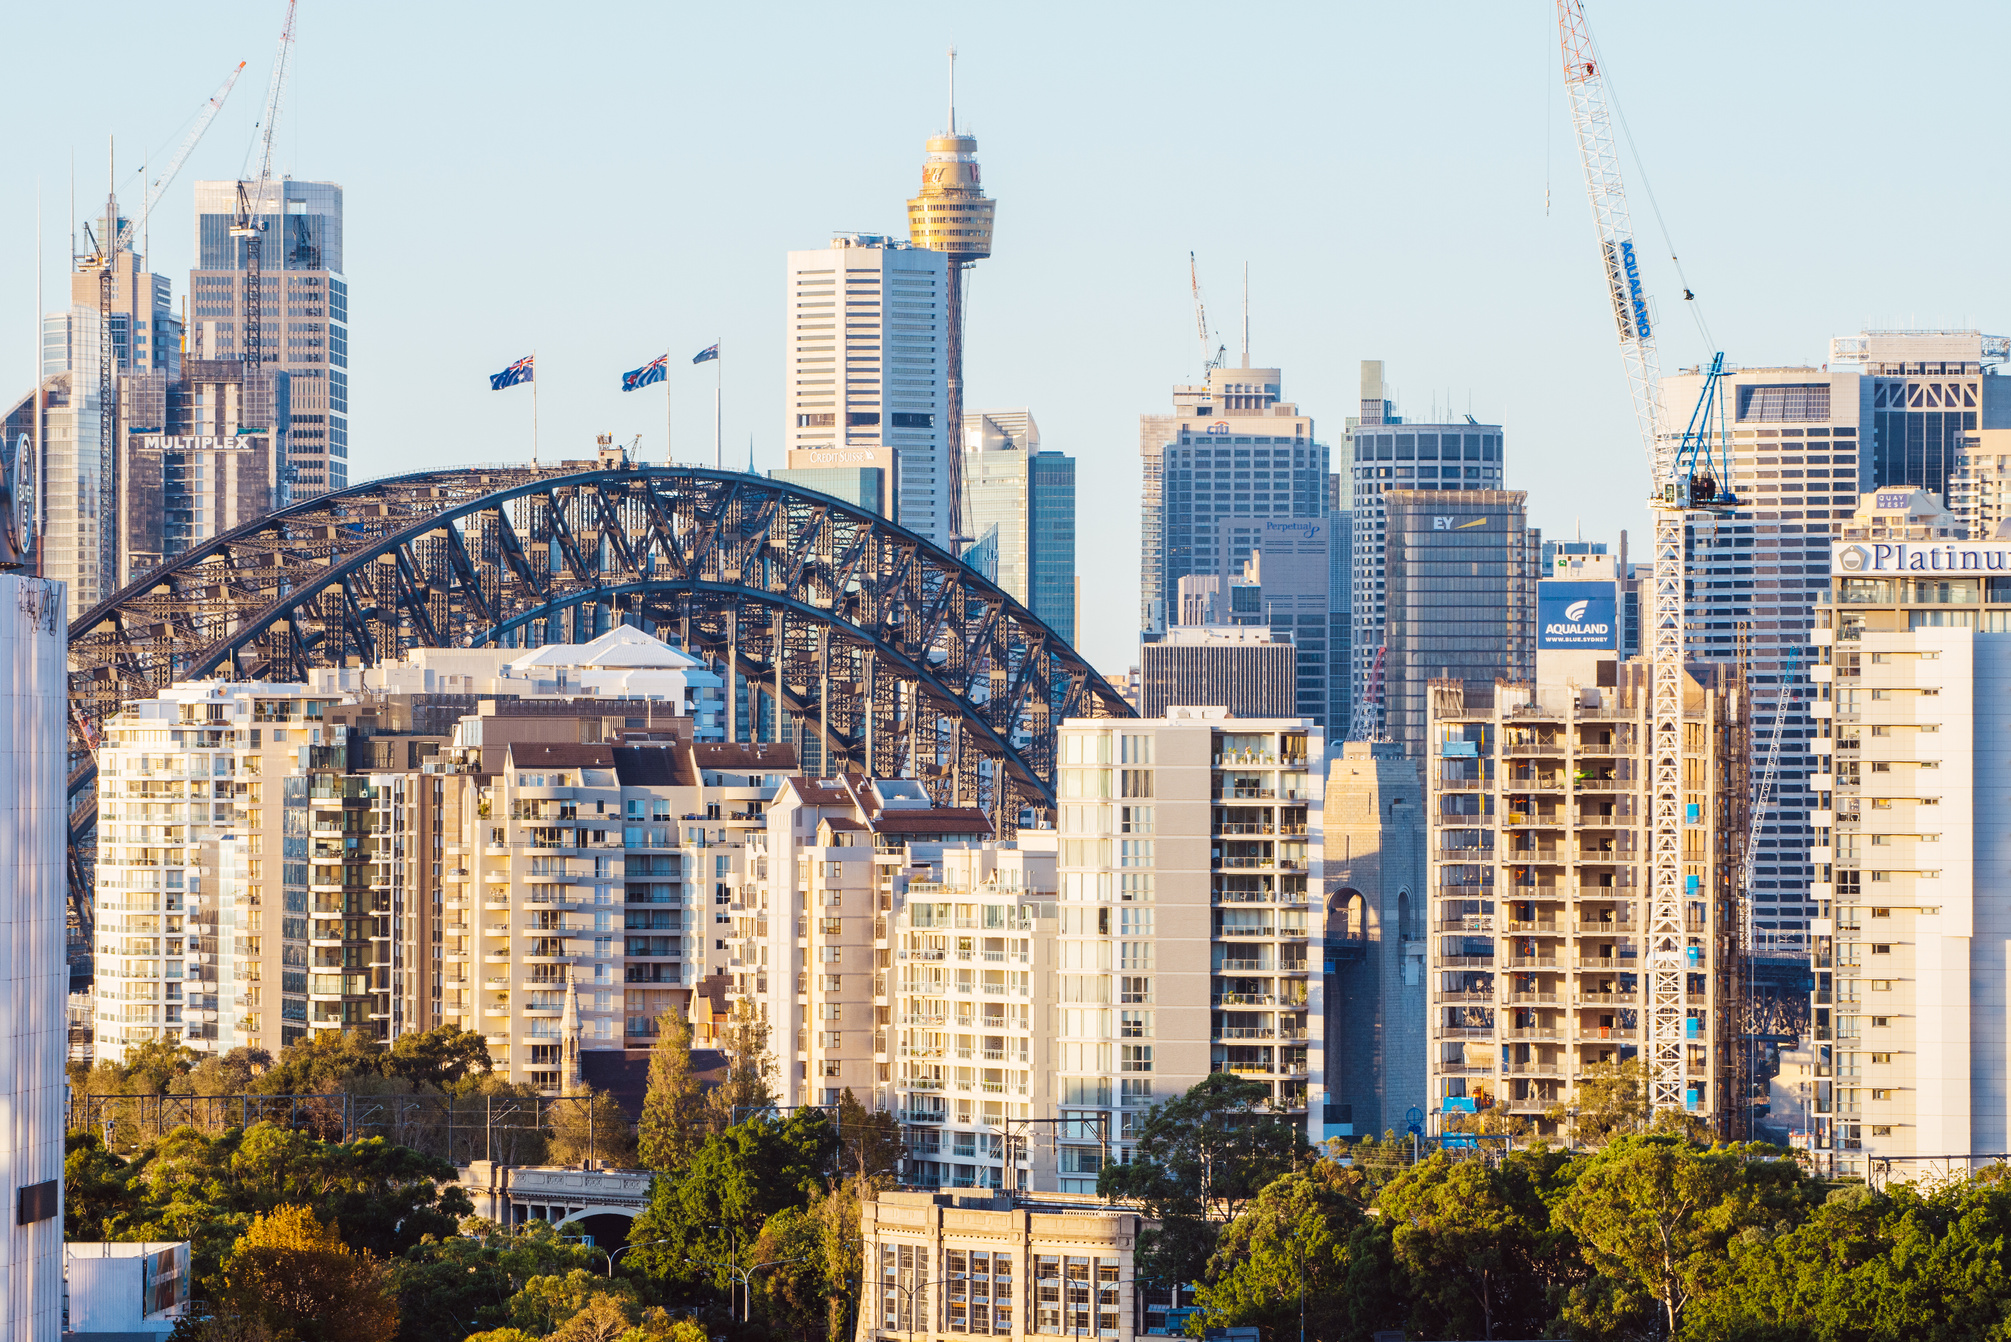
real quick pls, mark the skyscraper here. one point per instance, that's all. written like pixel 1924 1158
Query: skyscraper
pixel 1796 465
pixel 77 477
pixel 867 389
pixel 1462 568
pixel 1235 468
pixel 1384 452
pixel 304 313
pixel 1024 499
pixel 952 216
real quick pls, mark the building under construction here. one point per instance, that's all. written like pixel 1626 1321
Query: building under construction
pixel 1538 946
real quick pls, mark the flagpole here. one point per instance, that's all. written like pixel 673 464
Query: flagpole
pixel 666 408
pixel 718 379
pixel 534 409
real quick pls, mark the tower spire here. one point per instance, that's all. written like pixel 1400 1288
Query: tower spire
pixel 953 88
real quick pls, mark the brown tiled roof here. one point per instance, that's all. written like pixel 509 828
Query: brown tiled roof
pixel 841 822
pixel 944 820
pixel 552 755
pixel 818 794
pixel 746 756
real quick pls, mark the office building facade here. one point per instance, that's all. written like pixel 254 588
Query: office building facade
pixel 1021 500
pixel 1462 568
pixel 1190 850
pixel 1233 467
pixel 303 313
pixel 1241 668
pixel 1538 798
pixel 1383 452
pixel 867 381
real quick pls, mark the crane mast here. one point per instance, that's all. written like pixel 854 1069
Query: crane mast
pixel 181 154
pixel 1667 1052
pixel 247 224
pixel 1209 362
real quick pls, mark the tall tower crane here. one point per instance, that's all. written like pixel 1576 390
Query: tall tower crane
pixel 1684 480
pixel 249 224
pixel 1209 362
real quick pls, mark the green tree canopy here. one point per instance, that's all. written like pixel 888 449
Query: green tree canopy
pixel 1652 1216
pixel 590 1126
pixel 712 1213
pixel 673 1107
pixel 1300 1232
pixel 452 1285
pixel 1200 1158
pixel 292 1273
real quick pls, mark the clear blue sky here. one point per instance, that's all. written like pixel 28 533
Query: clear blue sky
pixel 603 182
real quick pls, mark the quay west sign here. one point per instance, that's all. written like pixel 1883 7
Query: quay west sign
pixel 1875 557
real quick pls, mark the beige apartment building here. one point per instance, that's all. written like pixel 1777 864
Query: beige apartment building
pixel 1539 876
pixel 1190 851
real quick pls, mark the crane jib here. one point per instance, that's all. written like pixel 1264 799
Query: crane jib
pixel 1630 303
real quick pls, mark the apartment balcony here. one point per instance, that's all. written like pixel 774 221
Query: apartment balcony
pixel 1534 962
pixel 1473 922
pixel 1544 926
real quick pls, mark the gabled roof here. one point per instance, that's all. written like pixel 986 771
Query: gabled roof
pixel 555 755
pixel 746 756
pixel 945 820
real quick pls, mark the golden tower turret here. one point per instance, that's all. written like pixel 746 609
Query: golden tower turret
pixel 952 216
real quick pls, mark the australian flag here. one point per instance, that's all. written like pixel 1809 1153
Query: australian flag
pixel 520 371
pixel 653 371
pixel 709 352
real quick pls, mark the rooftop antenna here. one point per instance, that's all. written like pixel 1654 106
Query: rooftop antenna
pixel 1246 314
pixel 953 88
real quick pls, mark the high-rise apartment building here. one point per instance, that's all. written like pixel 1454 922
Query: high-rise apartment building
pixel 867 388
pixel 1235 469
pixel 1384 452
pixel 971 1026
pixel 1462 567
pixel 373 850
pixel 1912 675
pixel 1022 501
pixel 303 313
pixel 1190 853
pixel 1538 798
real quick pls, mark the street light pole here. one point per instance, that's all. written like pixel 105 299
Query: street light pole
pixel 624 1249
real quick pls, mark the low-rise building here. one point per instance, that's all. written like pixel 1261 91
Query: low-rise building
pixel 943 1264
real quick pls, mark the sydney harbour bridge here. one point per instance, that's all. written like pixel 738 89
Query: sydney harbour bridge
pixel 896 658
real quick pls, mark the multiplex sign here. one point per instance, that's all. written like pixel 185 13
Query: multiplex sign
pixel 163 442
pixel 1897 557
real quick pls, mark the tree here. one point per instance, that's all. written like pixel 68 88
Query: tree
pixel 440 1057
pixel 1293 1242
pixel 293 1274
pixel 590 1126
pixel 605 1319
pixel 668 1133
pixel 231 1073
pixel 658 1326
pixel 1612 1101
pixel 791 1297
pixel 749 1065
pixel 1470 1238
pixel 547 1303
pixel 98 1189
pixel 452 1285
pixel 320 1063
pixel 1653 1216
pixel 870 1143
pixel 1887 1266
pixel 714 1210
pixel 1199 1159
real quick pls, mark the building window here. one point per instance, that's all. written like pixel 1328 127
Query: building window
pixel 1135 991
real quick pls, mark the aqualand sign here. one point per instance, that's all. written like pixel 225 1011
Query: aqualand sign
pixel 1869 557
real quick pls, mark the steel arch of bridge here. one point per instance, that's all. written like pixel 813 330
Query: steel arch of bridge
pixel 900 659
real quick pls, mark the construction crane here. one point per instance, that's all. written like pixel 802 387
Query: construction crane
pixel 1685 482
pixel 1763 790
pixel 1209 362
pixel 248 224
pixel 1366 726
pixel 188 144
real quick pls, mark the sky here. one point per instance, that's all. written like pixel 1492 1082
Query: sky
pixel 603 182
